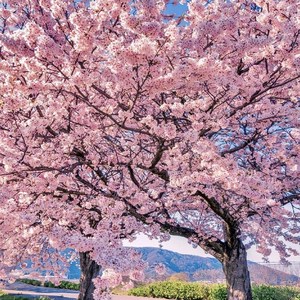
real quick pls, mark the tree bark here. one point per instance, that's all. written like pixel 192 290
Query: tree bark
pixel 89 270
pixel 236 272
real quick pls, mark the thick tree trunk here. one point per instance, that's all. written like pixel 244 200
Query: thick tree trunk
pixel 89 270
pixel 236 272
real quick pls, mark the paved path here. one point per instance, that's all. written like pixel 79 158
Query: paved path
pixel 31 291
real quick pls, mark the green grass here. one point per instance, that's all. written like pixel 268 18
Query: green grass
pixel 4 296
pixel 9 297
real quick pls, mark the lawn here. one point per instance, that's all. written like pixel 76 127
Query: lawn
pixel 4 296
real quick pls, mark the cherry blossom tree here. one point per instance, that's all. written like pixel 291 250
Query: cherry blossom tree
pixel 118 118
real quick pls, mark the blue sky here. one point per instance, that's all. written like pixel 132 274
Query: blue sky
pixel 177 10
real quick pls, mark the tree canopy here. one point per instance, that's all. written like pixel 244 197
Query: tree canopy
pixel 117 118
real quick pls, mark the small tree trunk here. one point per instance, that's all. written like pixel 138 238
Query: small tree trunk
pixel 236 273
pixel 89 270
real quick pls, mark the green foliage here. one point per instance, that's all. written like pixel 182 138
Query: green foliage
pixel 199 291
pixel 265 292
pixel 31 281
pixel 217 292
pixel 63 284
pixel 69 285
pixel 174 290
pixel 49 284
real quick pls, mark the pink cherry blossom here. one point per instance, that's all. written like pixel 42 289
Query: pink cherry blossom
pixel 114 123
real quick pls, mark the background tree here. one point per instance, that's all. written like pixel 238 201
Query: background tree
pixel 116 116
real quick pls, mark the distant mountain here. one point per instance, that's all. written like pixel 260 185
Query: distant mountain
pixel 208 269
pixel 262 274
pixel 197 268
pixel 259 274
pixel 175 262
pixel 293 268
